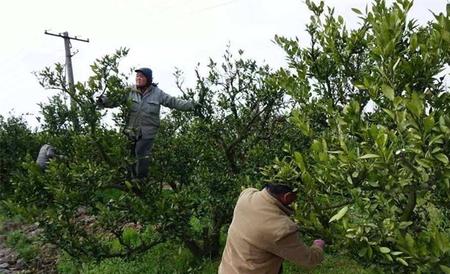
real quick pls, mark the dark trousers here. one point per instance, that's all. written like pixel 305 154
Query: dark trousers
pixel 141 152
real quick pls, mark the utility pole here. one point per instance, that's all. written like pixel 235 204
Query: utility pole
pixel 67 46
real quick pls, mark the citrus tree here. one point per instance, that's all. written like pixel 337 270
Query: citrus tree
pixel 206 157
pixel 374 178
pixel 16 141
pixel 87 204
pixel 84 201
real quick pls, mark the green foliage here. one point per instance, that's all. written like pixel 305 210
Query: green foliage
pixel 336 264
pixel 82 114
pixel 16 141
pixel 375 183
pixel 26 248
pixel 66 265
pixel 86 202
pixel 82 201
pixel 206 160
pixel 169 258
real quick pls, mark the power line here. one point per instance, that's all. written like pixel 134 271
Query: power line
pixel 212 7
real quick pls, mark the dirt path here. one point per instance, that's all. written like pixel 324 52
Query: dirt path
pixel 9 261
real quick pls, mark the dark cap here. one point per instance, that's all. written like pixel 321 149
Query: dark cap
pixel 147 73
pixel 280 188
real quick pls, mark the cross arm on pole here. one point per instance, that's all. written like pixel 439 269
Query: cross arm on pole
pixel 66 35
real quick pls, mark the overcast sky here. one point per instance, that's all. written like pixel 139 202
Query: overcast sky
pixel 161 34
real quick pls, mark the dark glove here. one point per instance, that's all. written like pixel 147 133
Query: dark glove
pixel 99 102
pixel 198 109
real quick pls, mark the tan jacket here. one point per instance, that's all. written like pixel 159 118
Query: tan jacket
pixel 262 235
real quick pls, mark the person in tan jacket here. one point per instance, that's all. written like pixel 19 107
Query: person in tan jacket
pixel 262 235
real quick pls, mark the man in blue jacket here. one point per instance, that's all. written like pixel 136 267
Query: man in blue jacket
pixel 144 101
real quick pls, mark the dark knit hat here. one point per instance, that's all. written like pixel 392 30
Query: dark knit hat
pixel 147 72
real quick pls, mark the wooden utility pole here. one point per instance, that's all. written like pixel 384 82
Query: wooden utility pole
pixel 67 46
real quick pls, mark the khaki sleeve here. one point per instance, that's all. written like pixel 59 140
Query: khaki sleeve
pixel 292 248
pixel 247 191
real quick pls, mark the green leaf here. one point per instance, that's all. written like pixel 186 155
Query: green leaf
pixel 423 162
pixel 301 123
pixel 443 242
pixel 369 156
pixel 349 180
pixel 316 146
pixel 443 125
pixel 389 257
pixel 396 64
pixel 437 140
pixel 116 246
pixel 131 236
pixel 409 241
pixel 388 49
pixel 385 250
pixel 128 184
pixel 428 123
pixel 360 86
pixel 339 215
pixel 442 157
pixel 306 177
pixel 324 145
pixel 404 225
pixel 403 262
pixel 298 158
pixel 388 92
pixel 445 269
pixel 362 252
pixel 381 140
pixel 342 143
pixel 445 35
pixel 415 104
pixel 390 113
pixel 397 101
pixel 413 42
pixel 369 252
pixel 357 11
